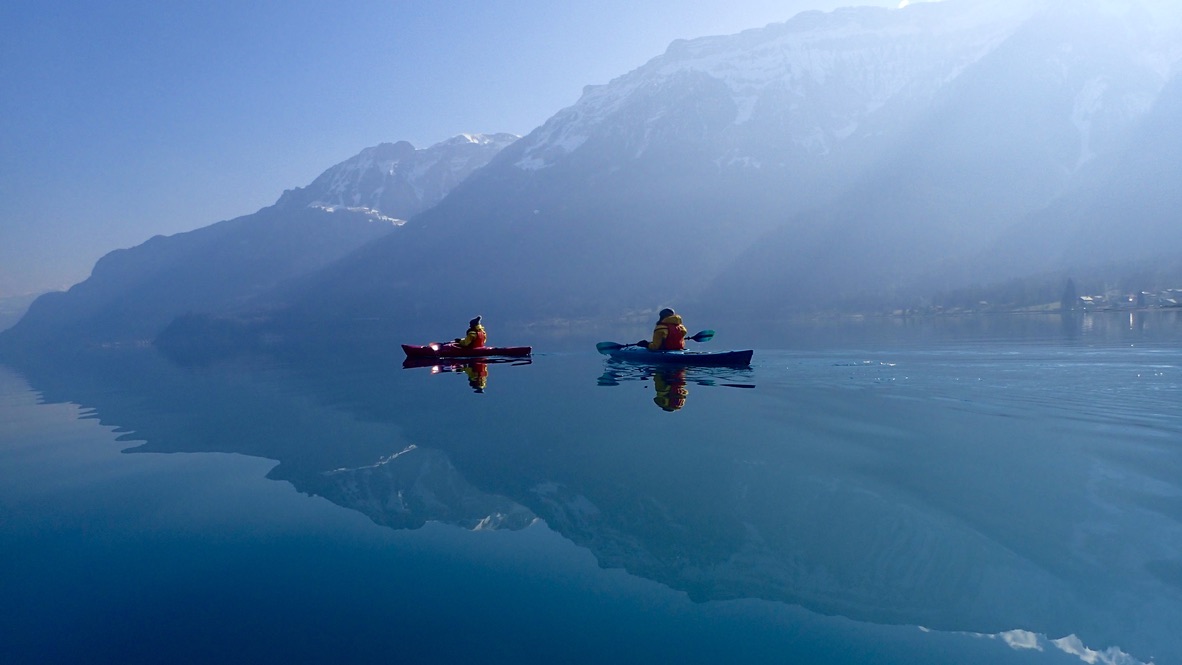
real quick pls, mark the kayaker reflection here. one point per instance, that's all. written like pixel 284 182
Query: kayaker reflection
pixel 669 333
pixel 670 387
pixel 477 376
pixel 475 371
pixel 476 336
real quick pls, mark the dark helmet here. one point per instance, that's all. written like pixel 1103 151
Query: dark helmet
pixel 665 312
pixel 474 322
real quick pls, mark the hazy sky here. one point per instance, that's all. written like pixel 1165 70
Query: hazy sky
pixel 122 120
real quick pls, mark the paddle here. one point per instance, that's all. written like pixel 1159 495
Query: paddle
pixel 703 336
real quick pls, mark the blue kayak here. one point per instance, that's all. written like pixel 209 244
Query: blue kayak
pixel 687 358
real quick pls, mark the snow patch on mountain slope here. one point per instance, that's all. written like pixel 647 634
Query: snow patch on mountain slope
pixel 1086 104
pixel 375 215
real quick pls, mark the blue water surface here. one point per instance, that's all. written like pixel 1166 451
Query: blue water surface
pixel 948 492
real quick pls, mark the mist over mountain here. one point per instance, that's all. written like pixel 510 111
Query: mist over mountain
pixel 132 294
pixel 837 159
pixel 1033 122
pixel 1121 211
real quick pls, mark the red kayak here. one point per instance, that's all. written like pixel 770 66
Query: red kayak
pixel 449 350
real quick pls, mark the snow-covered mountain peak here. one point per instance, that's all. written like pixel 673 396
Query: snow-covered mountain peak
pixel 477 139
pixel 845 64
pixel 821 78
pixel 397 180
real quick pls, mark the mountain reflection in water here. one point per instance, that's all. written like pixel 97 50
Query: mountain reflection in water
pixel 1005 490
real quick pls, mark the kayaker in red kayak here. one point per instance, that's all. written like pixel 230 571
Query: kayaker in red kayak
pixel 475 338
pixel 669 335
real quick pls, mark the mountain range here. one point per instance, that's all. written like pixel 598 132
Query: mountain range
pixel 133 294
pixel 847 159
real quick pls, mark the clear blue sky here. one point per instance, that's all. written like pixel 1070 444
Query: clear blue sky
pixel 121 120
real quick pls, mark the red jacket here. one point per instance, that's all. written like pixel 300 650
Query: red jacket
pixel 669 335
pixel 475 338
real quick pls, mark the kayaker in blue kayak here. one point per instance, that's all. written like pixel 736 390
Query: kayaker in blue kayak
pixel 475 338
pixel 669 334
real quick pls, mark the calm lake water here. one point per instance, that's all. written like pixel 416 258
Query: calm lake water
pixel 988 490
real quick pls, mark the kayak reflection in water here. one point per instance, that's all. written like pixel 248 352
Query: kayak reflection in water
pixel 477 376
pixel 474 370
pixel 475 338
pixel 669 333
pixel 670 386
pixel 671 381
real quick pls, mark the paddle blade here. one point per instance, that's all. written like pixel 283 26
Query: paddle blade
pixel 704 336
pixel 604 347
